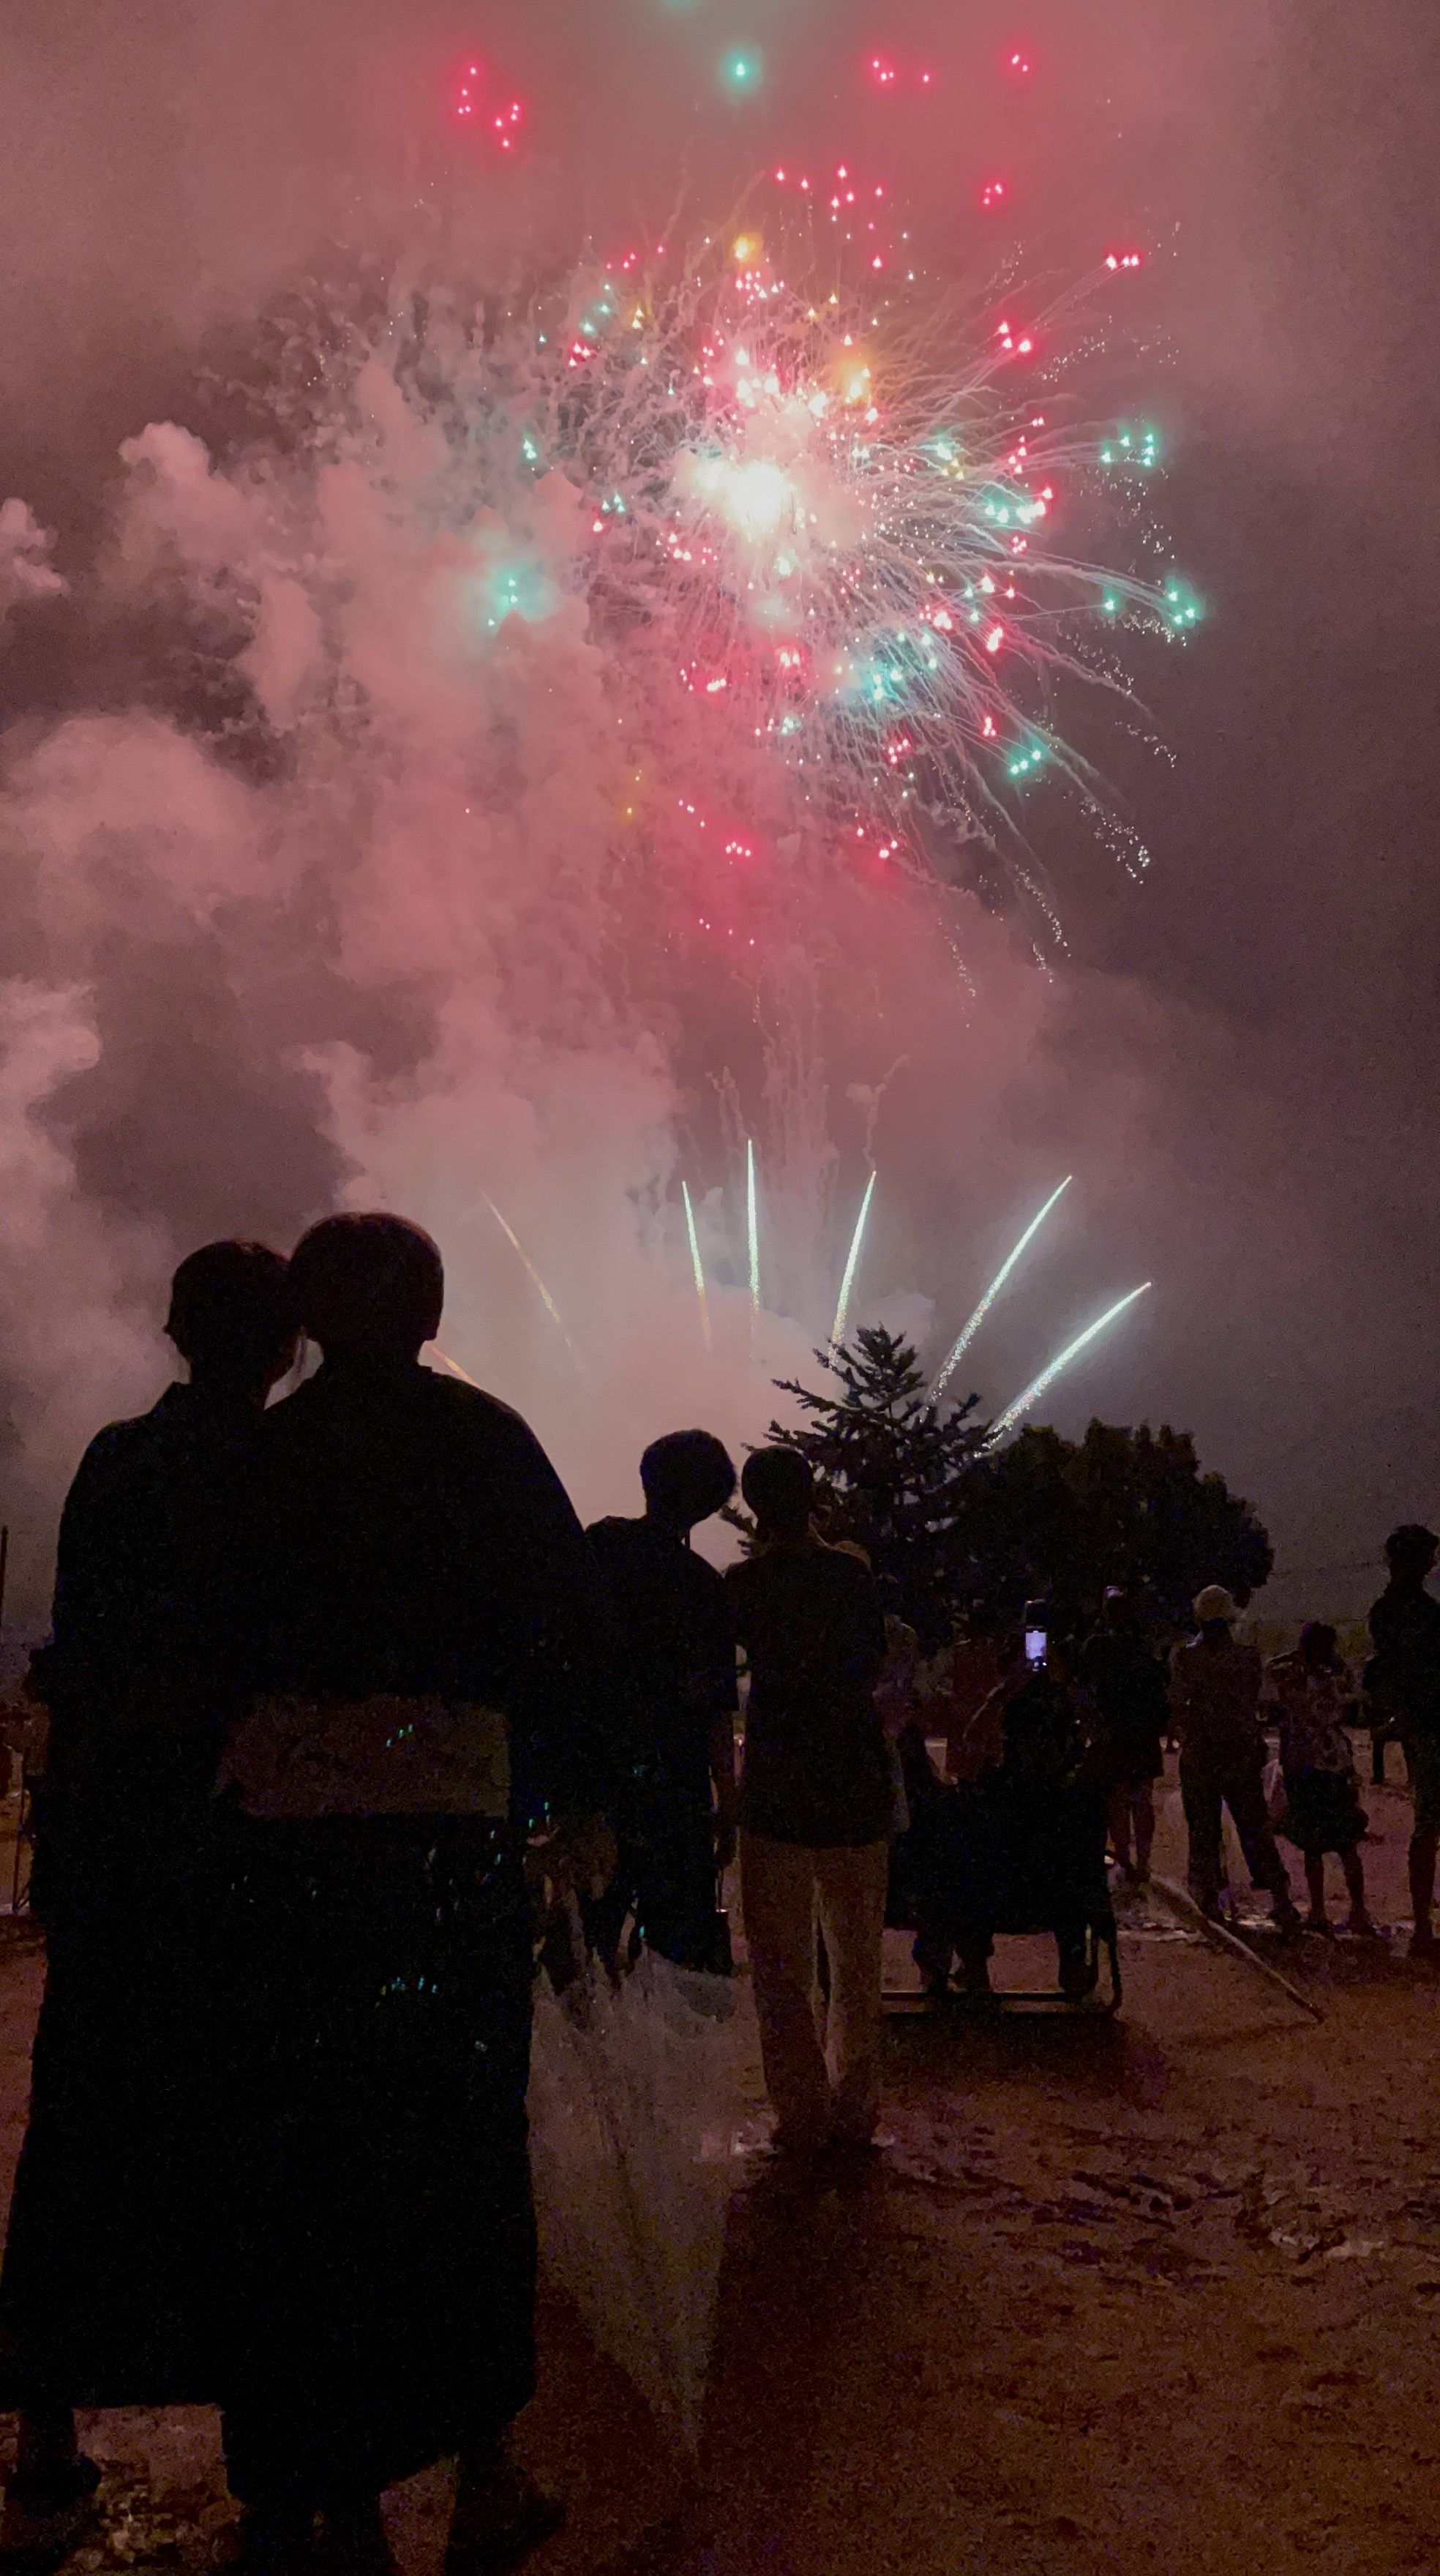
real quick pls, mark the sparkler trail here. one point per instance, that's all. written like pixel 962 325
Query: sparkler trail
pixel 551 1309
pixel 1011 1415
pixel 996 1284
pixel 454 1367
pixel 696 1263
pixel 842 1309
pixel 752 1234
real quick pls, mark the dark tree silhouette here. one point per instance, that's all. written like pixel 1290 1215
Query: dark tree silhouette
pixel 1121 1507
pixel 953 1532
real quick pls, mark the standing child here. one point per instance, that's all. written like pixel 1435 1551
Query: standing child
pixel 1315 1690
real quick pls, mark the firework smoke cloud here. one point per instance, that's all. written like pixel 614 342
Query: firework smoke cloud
pixel 535 728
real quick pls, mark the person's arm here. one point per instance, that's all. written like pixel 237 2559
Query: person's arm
pixel 1283 1692
pixel 83 1561
pixel 563 1684
pixel 1380 1675
pixel 725 1785
pixel 1179 1693
pixel 1158 1693
pixel 721 1699
pixel 980 1744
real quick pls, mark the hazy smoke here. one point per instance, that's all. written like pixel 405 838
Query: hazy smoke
pixel 306 902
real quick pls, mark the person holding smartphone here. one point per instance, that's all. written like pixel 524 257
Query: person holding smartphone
pixel 1024 1847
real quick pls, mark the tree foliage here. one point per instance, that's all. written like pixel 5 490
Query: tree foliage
pixel 1121 1506
pixel 952 1531
pixel 892 1473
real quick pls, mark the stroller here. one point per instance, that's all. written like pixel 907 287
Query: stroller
pixel 1021 1851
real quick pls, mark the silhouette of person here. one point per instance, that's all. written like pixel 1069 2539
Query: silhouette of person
pixel 1402 1682
pixel 1215 1699
pixel 109 2252
pixel 424 1619
pixel 816 1802
pixel 1316 1691
pixel 1024 1846
pixel 675 1655
pixel 1128 1686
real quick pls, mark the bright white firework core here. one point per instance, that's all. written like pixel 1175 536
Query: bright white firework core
pixel 754 496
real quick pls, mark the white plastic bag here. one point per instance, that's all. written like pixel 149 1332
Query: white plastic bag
pixel 1277 1805
pixel 636 2110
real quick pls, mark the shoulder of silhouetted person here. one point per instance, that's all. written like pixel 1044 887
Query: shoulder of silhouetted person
pixel 464 1429
pixel 827 1580
pixel 614 1535
pixel 812 1566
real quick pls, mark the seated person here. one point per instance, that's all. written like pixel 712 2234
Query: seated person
pixel 1023 1848
pixel 965 1701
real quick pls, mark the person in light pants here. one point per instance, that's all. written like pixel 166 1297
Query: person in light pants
pixel 827 2090
pixel 815 1810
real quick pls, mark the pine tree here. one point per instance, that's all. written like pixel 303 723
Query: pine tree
pixel 893 1474
pixel 952 1531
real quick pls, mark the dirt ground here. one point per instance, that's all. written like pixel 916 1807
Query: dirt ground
pixel 1157 2293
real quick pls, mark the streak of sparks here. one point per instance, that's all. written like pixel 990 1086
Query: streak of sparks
pixel 996 1284
pixel 1011 1415
pixel 696 1264
pixel 454 1368
pixel 842 1309
pixel 752 1233
pixel 548 1302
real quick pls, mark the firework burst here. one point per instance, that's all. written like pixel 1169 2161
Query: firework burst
pixel 823 531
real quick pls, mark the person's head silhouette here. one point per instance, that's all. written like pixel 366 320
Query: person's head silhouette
pixel 1318 1644
pixel 232 1319
pixel 368 1288
pixel 687 1475
pixel 779 1488
pixel 1410 1553
pixel 1215 1614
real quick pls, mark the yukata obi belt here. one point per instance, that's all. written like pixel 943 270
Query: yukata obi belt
pixel 380 1756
